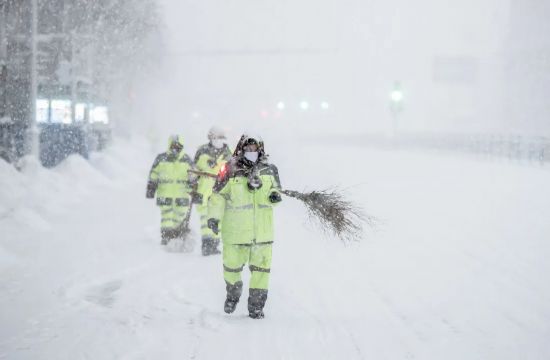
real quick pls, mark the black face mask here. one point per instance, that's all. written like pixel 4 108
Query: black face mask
pixel 175 149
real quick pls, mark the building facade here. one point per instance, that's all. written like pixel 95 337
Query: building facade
pixel 60 76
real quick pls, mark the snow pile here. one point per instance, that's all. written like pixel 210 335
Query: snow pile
pixel 34 196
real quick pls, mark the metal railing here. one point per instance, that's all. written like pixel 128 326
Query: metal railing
pixel 518 148
pixel 513 148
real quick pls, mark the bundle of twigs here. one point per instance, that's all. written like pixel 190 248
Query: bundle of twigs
pixel 333 212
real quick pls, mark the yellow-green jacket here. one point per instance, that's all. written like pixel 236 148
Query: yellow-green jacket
pixel 246 216
pixel 169 179
pixel 210 160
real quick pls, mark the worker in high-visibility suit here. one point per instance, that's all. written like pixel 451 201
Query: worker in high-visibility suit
pixel 170 181
pixel 241 207
pixel 209 158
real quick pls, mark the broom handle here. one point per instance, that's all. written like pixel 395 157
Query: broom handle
pixel 202 173
pixel 291 193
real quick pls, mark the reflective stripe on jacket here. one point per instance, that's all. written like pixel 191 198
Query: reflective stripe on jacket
pixel 210 160
pixel 170 177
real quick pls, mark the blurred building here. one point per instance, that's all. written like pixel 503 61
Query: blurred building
pixel 15 80
pixel 79 47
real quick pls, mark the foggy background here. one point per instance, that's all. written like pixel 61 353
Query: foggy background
pixel 464 67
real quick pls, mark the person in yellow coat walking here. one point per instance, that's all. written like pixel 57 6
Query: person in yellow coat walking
pixel 169 181
pixel 209 159
pixel 241 208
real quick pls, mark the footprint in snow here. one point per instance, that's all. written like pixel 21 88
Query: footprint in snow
pixel 104 294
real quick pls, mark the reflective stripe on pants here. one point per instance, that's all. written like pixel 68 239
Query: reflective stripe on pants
pixel 206 232
pixel 172 216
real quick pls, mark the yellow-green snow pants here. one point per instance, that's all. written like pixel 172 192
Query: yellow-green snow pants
pixel 173 213
pixel 258 257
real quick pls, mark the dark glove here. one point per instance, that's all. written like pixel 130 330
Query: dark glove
pixel 213 225
pixel 196 198
pixel 151 189
pixel 275 197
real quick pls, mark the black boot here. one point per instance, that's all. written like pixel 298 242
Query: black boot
pixel 230 305
pixel 210 246
pixel 233 295
pixel 256 303
pixel 165 236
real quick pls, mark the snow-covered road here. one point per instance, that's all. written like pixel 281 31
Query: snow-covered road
pixel 457 270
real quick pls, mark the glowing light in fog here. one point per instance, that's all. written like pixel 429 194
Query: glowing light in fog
pixel 61 111
pixel 304 105
pixel 325 105
pixel 396 96
pixel 99 114
pixel 281 105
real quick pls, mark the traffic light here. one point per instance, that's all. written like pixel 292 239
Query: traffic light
pixel 396 98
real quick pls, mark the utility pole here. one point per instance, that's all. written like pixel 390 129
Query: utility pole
pixel 3 49
pixel 33 127
pixel 3 32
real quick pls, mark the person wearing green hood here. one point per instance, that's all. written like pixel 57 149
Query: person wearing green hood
pixel 241 208
pixel 169 181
